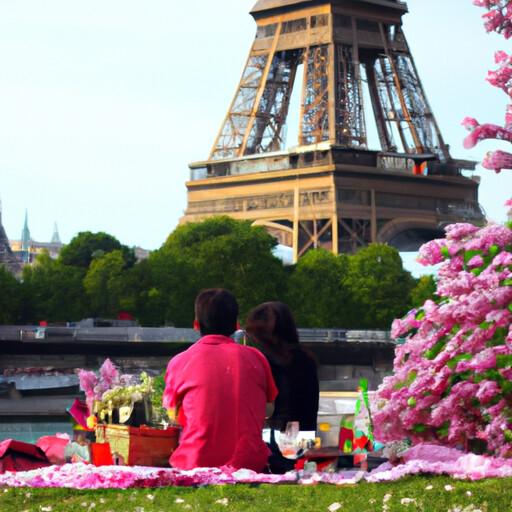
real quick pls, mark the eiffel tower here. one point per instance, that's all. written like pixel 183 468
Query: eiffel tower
pixel 7 257
pixel 349 64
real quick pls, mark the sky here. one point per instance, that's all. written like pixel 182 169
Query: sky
pixel 104 103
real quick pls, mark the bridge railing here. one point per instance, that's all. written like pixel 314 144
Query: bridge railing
pixel 168 335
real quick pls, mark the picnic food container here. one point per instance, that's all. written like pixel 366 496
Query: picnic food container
pixel 139 446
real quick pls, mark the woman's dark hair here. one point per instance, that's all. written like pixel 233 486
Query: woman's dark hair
pixel 216 311
pixel 271 324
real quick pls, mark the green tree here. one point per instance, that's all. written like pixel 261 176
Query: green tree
pixel 380 287
pixel 165 287
pixel 104 284
pixel 218 252
pixel 144 290
pixel 53 291
pixel 425 289
pixel 316 293
pixel 85 246
pixel 10 297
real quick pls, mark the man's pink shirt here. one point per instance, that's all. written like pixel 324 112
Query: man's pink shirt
pixel 221 389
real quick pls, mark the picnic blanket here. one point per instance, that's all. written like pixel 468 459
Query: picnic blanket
pixel 424 458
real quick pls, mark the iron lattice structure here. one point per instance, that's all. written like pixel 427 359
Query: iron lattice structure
pixel 351 66
pixel 339 54
pixel 7 257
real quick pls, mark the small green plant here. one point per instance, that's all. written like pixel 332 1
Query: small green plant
pixel 159 413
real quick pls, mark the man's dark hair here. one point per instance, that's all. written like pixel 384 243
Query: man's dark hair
pixel 216 312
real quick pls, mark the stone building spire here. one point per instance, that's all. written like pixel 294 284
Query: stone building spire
pixel 25 235
pixel 55 237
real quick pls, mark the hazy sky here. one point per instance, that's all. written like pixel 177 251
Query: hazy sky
pixel 104 103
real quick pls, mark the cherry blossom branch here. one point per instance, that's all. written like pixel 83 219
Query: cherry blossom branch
pixel 497 19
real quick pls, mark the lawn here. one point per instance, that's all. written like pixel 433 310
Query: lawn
pixel 416 493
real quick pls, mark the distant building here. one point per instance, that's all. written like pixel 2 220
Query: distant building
pixel 140 253
pixel 27 249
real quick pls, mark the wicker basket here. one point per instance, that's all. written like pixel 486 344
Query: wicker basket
pixel 139 446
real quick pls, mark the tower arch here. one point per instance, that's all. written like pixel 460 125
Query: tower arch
pixel 409 234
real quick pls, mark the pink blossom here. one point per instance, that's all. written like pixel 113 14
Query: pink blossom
pixel 499 317
pixel 109 374
pixel 475 261
pixel 430 253
pixel 462 284
pixel 460 231
pixel 498 18
pixel 435 459
pixel 502 77
pixel 486 131
pixel 497 160
pixel 502 259
pixel 88 381
pixel 507 373
pixel 508 116
pixel 487 391
pixel 404 325
pixel 398 328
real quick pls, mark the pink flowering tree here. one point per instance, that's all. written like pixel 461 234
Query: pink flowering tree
pixel 452 381
pixel 498 18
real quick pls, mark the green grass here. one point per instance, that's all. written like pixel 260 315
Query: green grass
pixel 487 495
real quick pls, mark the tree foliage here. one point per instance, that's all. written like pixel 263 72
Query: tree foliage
pixel 219 252
pixel 53 291
pixel 380 286
pixel 10 297
pixel 94 276
pixel 425 289
pixel 144 295
pixel 104 284
pixel 316 290
pixel 85 246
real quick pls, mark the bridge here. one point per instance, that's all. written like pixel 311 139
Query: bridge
pixel 38 378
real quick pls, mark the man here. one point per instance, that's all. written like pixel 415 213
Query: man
pixel 218 390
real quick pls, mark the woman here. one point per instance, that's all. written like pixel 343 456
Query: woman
pixel 272 329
